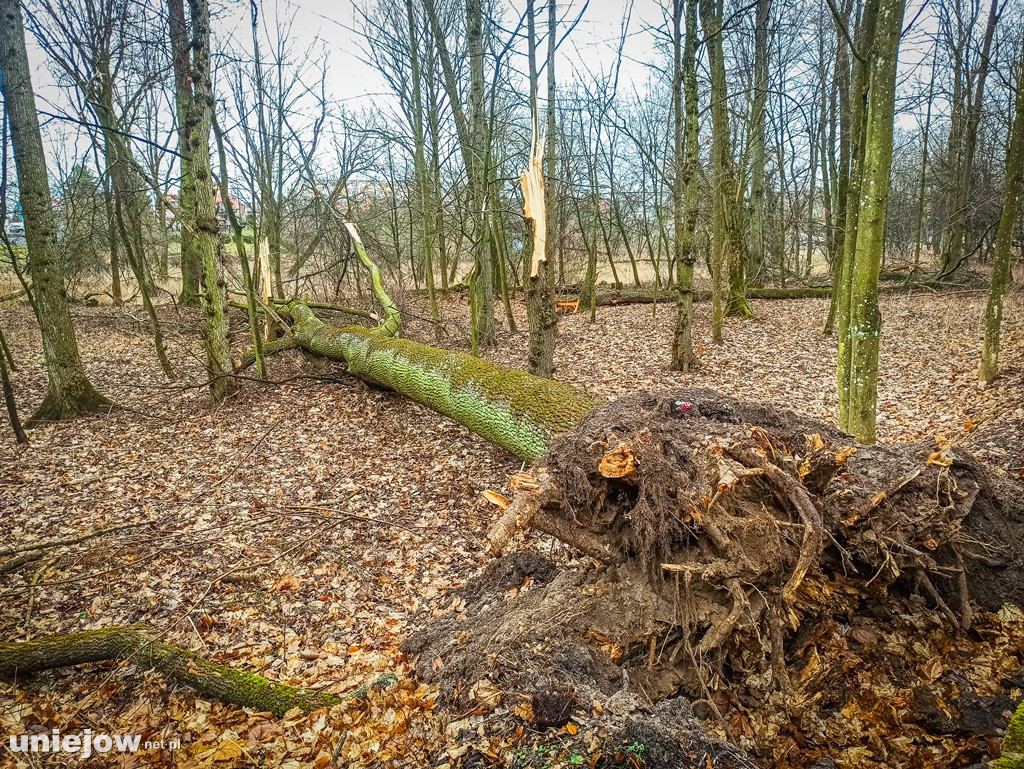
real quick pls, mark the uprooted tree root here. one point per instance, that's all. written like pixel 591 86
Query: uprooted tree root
pixel 754 561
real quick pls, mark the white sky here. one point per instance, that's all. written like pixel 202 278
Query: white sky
pixel 331 25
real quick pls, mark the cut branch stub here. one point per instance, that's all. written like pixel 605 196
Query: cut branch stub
pixel 522 510
pixel 620 462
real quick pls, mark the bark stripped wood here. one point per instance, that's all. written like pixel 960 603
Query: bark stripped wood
pixel 533 201
pixel 521 512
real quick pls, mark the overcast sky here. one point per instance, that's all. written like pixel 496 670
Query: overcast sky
pixel 332 26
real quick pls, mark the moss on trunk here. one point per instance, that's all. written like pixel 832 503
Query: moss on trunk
pixel 1013 745
pixel 130 643
pixel 512 409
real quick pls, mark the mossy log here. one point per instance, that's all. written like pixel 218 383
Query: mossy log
pixel 649 296
pixel 519 412
pixel 1013 745
pixel 130 643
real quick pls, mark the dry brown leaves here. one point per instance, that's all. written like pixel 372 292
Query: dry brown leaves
pixel 297 530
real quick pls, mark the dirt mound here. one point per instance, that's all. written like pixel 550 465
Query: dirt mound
pixel 803 592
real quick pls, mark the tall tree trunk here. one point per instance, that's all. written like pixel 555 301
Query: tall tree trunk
pixel 755 222
pixel 857 115
pixel 685 147
pixel 70 393
pixel 727 224
pixel 194 89
pixel 112 242
pixel 858 379
pixel 1004 237
pixel 420 194
pixel 472 133
pixel 129 203
pixel 923 184
pixel 844 88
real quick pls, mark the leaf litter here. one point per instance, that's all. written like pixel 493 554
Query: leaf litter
pixel 301 530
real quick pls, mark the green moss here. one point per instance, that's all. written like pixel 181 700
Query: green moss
pixel 508 407
pixel 1013 745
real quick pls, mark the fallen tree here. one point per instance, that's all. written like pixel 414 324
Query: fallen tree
pixel 729 542
pixel 751 560
pixel 133 644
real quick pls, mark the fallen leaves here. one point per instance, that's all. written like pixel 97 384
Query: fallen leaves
pixel 310 597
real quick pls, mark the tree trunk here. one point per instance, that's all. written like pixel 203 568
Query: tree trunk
pixel 512 409
pixel 955 232
pixel 129 206
pixel 1001 259
pixel 538 196
pixel 684 182
pixel 70 393
pixel 919 228
pixel 195 104
pixel 858 357
pixel 8 388
pixel 755 222
pixel 727 230
pixel 420 194
pixel 178 665
pixel 846 101
pixel 472 133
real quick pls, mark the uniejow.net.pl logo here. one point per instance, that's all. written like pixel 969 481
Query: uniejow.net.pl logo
pixel 85 744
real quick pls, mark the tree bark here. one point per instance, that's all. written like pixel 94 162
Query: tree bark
pixel 472 133
pixel 70 393
pixel 195 105
pixel 859 335
pixel 755 222
pixel 181 666
pixel 846 100
pixel 1001 260
pixel 512 409
pixel 684 182
pixel 539 278
pixel 727 229
pixel 955 232
pixel 8 388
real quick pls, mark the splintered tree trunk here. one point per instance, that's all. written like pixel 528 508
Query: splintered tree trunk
pixel 1004 240
pixel 539 208
pixel 70 393
pixel 863 326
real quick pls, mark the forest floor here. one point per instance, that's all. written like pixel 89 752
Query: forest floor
pixel 303 529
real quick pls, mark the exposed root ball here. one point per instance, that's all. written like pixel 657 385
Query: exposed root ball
pixel 734 543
